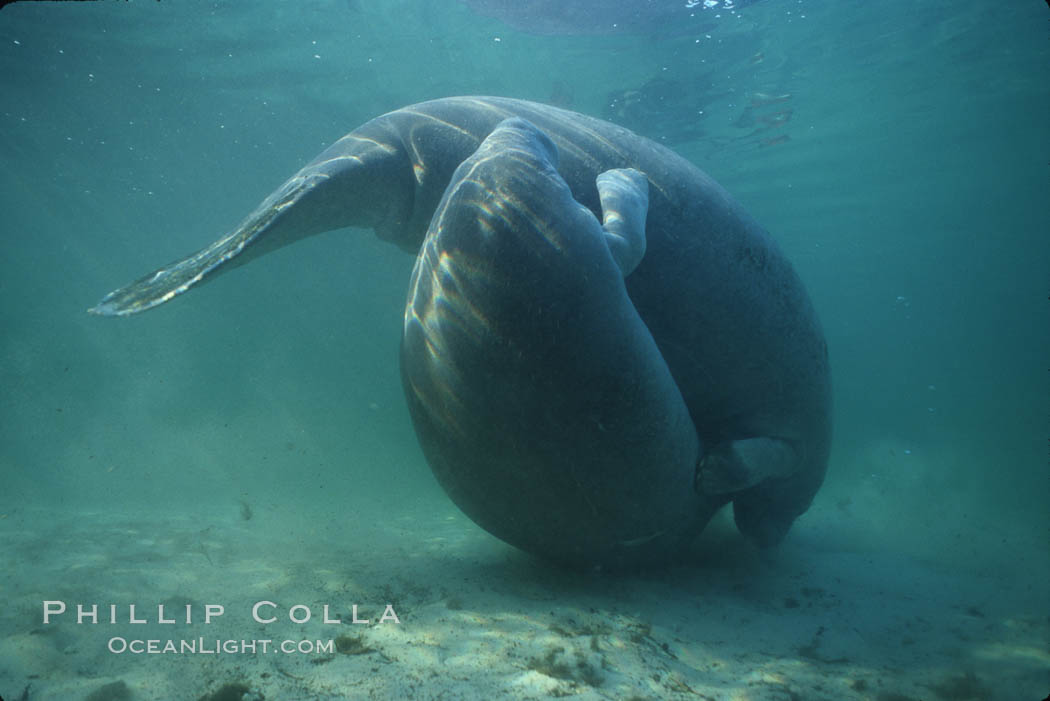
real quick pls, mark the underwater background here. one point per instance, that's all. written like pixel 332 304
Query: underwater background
pixel 251 440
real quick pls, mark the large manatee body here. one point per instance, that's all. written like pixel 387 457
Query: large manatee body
pixel 539 395
pixel 594 365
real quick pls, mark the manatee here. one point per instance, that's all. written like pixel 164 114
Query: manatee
pixel 541 399
pixel 601 348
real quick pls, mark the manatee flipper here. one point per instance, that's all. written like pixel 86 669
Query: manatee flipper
pixel 755 473
pixel 624 194
pixel 738 465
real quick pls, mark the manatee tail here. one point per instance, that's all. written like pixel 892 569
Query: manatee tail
pixel 360 181
pixel 175 278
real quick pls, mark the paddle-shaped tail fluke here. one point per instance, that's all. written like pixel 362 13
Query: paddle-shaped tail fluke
pixel 359 181
pixel 171 280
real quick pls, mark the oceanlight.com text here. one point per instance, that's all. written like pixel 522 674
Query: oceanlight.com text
pixel 213 646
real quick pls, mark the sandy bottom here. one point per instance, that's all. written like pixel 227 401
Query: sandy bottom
pixel 826 616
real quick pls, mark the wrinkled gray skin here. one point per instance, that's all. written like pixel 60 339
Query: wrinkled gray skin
pixel 542 402
pixel 572 404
